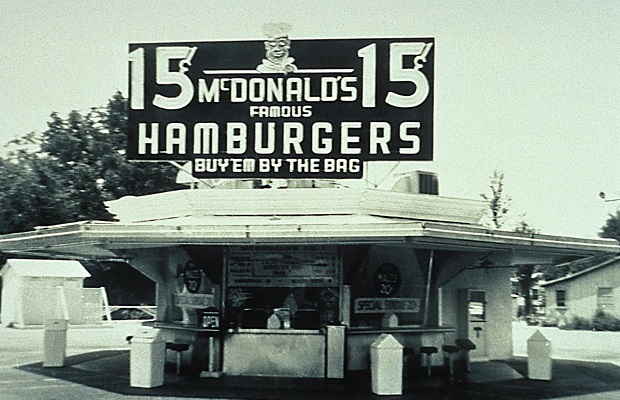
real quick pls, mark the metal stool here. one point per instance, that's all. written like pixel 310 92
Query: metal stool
pixel 465 346
pixel 451 350
pixel 179 348
pixel 428 351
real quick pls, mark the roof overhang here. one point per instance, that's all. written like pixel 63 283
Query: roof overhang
pixel 110 239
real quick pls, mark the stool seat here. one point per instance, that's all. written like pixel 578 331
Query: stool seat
pixel 428 349
pixel 177 346
pixel 465 344
pixel 450 348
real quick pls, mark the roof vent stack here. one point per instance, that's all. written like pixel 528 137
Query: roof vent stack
pixel 417 182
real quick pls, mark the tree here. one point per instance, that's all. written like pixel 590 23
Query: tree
pixel 120 177
pixel 525 272
pixel 66 173
pixel 498 202
pixel 498 208
pixel 611 229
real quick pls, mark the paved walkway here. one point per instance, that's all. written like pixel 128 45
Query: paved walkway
pixel 98 368
pixel 570 345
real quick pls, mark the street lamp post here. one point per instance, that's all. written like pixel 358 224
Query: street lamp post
pixel 603 196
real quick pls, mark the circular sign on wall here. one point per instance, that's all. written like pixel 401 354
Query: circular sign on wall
pixel 386 279
pixel 192 277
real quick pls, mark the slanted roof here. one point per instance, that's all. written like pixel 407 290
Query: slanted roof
pixel 291 202
pixel 609 262
pixel 46 268
pixel 293 216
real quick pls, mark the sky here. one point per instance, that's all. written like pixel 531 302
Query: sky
pixel 530 88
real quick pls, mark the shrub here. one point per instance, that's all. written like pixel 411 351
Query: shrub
pixel 579 323
pixel 605 322
pixel 549 322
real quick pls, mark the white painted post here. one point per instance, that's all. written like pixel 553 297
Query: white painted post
pixel 54 343
pixel 539 357
pixel 386 365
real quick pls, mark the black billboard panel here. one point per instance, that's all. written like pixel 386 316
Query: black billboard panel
pixel 282 108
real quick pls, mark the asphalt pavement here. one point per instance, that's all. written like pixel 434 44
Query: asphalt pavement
pixel 97 367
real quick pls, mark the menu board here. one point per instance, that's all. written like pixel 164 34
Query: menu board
pixel 283 266
pixel 191 300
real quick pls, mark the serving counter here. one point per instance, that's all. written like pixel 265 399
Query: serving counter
pixel 275 352
pixel 359 340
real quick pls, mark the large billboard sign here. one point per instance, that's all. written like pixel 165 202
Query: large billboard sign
pixel 279 107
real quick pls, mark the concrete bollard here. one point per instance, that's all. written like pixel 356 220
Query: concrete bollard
pixel 538 357
pixel 386 365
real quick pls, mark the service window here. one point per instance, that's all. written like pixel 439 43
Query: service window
pixel 297 284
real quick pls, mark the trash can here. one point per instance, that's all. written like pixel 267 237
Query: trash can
pixel 538 357
pixel 54 342
pixel 386 365
pixel 147 359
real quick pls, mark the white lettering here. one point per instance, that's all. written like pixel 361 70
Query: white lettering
pixel 206 138
pixel 144 140
pixel 321 145
pixel 236 138
pixel 346 140
pixel 407 137
pixel 380 140
pixel 208 94
pixel 175 137
pixel 271 138
pixel 292 136
pixel 257 90
pixel 238 90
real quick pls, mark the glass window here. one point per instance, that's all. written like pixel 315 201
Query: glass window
pixel 477 305
pixel 560 298
pixel 282 287
pixel 249 307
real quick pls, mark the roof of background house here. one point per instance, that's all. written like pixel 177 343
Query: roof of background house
pixel 45 268
pixel 609 261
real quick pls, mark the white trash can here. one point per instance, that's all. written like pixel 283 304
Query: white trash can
pixel 147 359
pixel 54 342
pixel 386 365
pixel 539 357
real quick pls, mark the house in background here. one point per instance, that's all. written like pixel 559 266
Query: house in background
pixel 584 293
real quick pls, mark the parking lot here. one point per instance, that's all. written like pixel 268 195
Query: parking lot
pixel 97 366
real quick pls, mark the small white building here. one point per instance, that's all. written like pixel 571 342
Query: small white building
pixel 36 290
pixel 585 293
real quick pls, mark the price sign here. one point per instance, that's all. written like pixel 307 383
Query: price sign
pixel 281 107
pixel 386 279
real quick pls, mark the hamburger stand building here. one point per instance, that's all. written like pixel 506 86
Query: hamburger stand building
pixel 300 281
